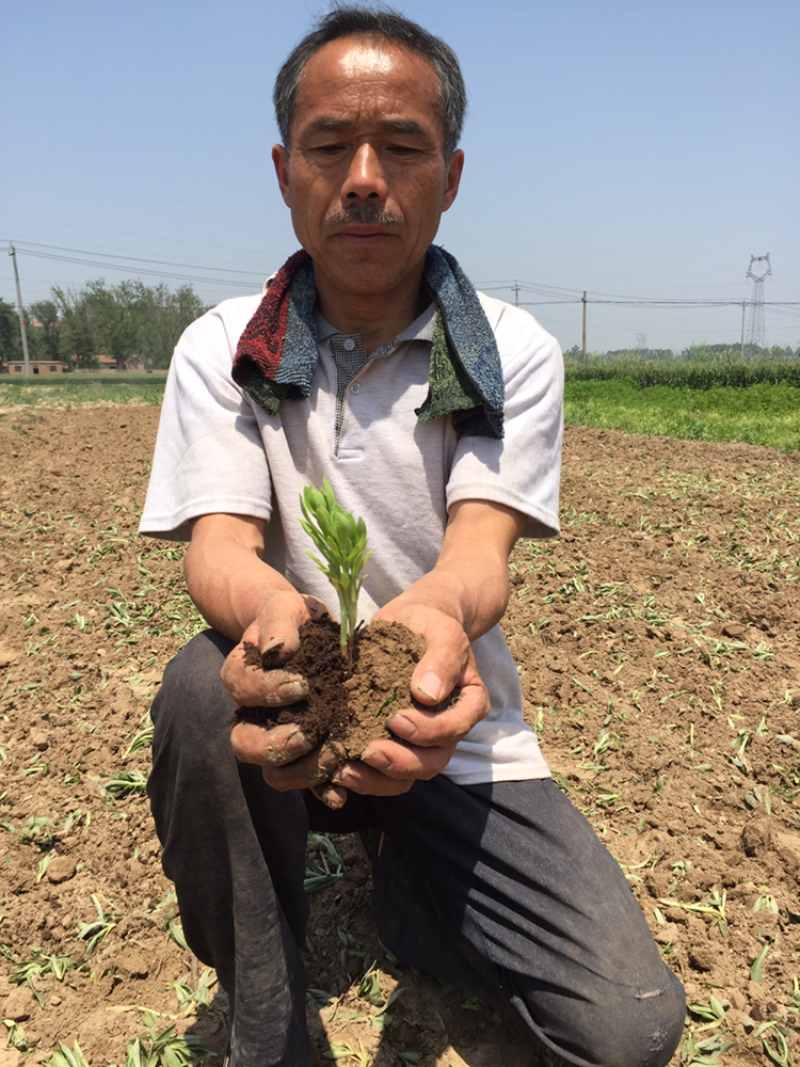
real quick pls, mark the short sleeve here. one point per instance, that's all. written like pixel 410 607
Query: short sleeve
pixel 209 455
pixel 523 470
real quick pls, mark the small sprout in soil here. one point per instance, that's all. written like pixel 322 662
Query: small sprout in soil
pixel 342 540
pixel 779 1052
pixel 323 864
pixel 705 1053
pixel 757 970
pixel 165 1048
pixel 67 1057
pixel 125 784
pixel 369 988
pixel 338 1052
pixel 144 739
pixel 190 1000
pixel 17 1038
pixel 766 901
pixel 175 931
pixel 713 1013
pixel 94 932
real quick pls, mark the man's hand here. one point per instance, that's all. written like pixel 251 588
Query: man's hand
pixel 429 738
pixel 288 760
pixel 275 633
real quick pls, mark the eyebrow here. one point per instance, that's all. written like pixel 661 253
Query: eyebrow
pixel 328 124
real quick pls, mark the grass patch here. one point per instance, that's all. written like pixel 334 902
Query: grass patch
pixel 86 389
pixel 758 415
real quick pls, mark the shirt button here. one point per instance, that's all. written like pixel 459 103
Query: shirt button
pixel 355 388
pixel 348 344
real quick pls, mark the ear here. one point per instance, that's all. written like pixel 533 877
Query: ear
pixel 280 160
pixel 453 180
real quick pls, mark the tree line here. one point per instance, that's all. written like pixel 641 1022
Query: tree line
pixel 702 353
pixel 75 327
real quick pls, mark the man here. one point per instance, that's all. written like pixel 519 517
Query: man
pixel 436 415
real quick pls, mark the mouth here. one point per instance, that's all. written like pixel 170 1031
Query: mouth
pixel 363 235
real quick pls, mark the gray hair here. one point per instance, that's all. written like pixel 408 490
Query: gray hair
pixel 352 21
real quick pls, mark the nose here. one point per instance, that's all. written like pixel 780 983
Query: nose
pixel 365 178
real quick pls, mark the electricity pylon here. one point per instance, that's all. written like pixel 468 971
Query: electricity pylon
pixel 756 332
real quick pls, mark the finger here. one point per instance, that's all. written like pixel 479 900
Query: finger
pixel 358 777
pixel 311 771
pixel 440 669
pixel 276 747
pixel 317 609
pixel 251 687
pixel 446 727
pixel 332 796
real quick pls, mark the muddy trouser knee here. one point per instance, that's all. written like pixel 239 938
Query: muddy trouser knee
pixel 505 889
pixel 235 850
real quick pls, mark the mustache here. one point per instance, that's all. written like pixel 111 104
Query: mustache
pixel 368 213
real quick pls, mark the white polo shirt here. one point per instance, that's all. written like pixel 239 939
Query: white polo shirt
pixel 218 451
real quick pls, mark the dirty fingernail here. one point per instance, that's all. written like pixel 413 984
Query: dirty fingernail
pixel 291 691
pixel 293 747
pixel 403 727
pixel 333 798
pixel 377 760
pixel 430 684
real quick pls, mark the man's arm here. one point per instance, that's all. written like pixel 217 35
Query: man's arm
pixel 248 601
pixel 461 598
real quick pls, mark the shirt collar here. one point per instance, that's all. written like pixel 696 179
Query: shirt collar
pixel 421 329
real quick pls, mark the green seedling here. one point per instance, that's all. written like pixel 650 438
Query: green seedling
pixel 67 1057
pixel 715 907
pixel 713 1013
pixel 93 933
pixel 705 1053
pixel 37 831
pixel 773 1041
pixel 766 900
pixel 142 740
pixel 125 784
pixel 341 539
pixel 323 864
pixel 345 1051
pixel 757 970
pixel 38 966
pixel 17 1038
pixel 165 1048
pixel 190 1000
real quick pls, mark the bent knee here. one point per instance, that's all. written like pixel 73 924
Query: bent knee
pixel 633 1028
pixel 192 695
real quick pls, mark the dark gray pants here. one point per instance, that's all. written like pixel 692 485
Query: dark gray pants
pixel 503 889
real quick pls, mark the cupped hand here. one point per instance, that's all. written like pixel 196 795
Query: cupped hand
pixel 429 738
pixel 274 634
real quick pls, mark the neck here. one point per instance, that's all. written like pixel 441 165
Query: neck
pixel 377 317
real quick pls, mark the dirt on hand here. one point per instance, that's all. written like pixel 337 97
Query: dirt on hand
pixel 657 647
pixel 348 706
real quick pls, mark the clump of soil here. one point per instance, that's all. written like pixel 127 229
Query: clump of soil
pixel 346 710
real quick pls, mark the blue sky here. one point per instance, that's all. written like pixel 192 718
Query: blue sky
pixel 631 149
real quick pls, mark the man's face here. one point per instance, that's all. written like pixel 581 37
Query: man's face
pixel 365 175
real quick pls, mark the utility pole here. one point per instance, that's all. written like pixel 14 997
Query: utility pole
pixel 583 301
pixel 744 304
pixel 516 288
pixel 25 356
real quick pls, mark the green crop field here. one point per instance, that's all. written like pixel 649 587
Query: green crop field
pixel 754 401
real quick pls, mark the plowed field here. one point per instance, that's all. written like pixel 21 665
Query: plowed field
pixel 657 642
